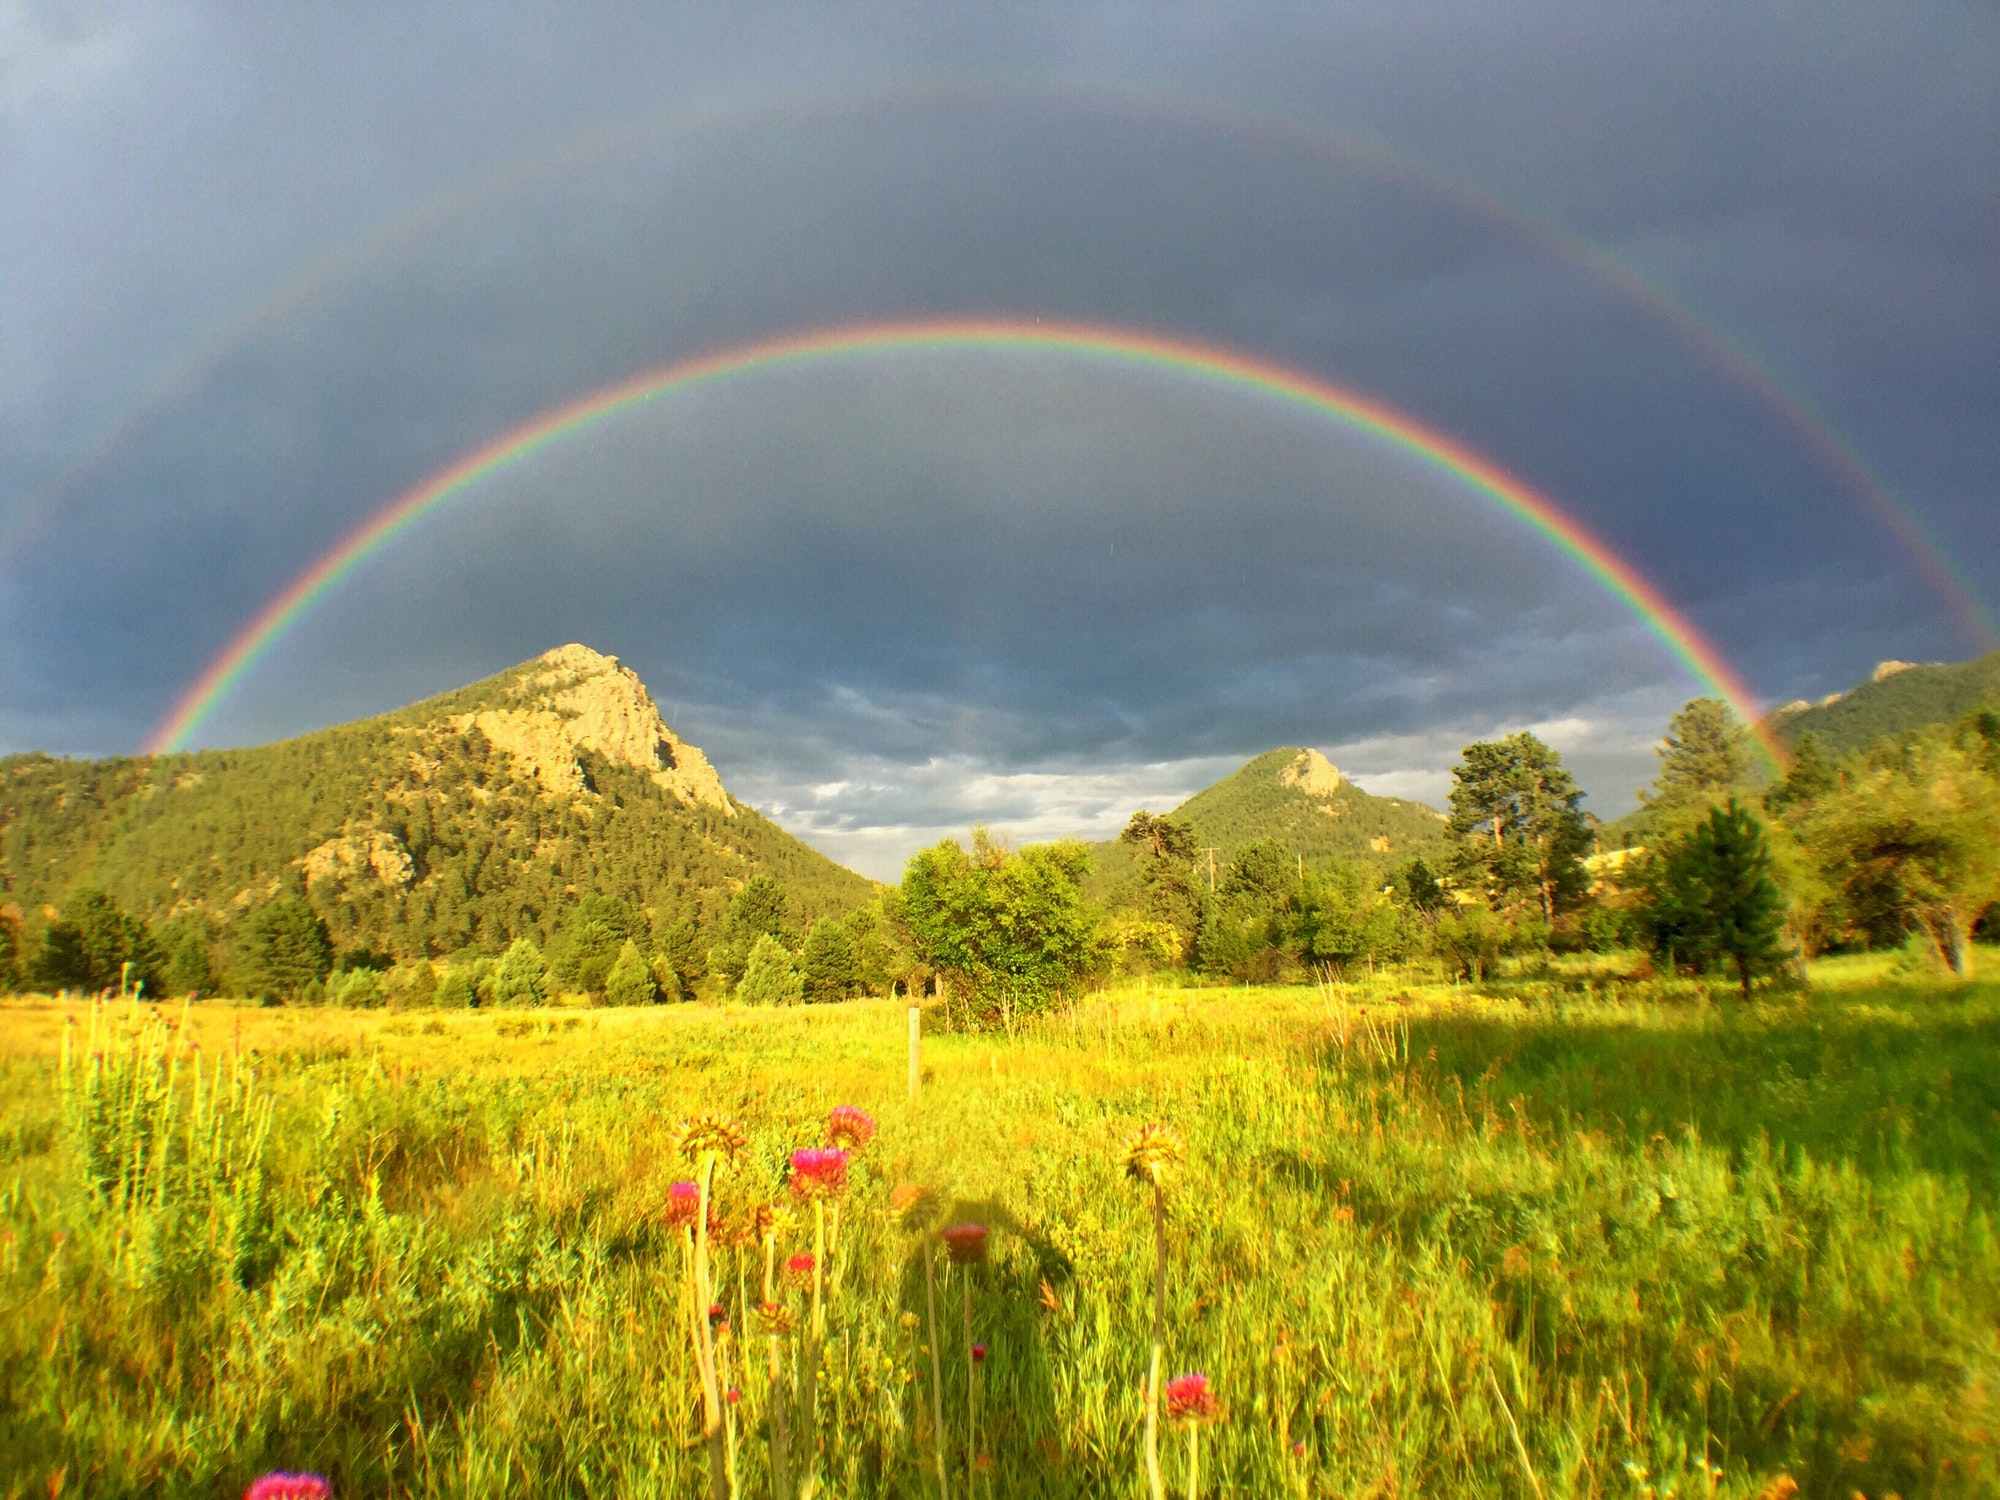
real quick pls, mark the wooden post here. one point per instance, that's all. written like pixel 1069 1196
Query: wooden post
pixel 916 1052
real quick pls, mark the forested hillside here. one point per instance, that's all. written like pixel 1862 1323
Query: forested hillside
pixel 459 823
pixel 1899 697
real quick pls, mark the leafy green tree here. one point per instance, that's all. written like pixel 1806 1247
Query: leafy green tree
pixel 1262 873
pixel 1704 759
pixel 667 986
pixel 91 943
pixel 630 981
pixel 1520 832
pixel 1009 932
pixel 1335 921
pixel 589 942
pixel 1421 887
pixel 1917 834
pixel 827 961
pixel 1714 899
pixel 357 989
pixel 522 977
pixel 769 975
pixel 289 948
pixel 1170 891
pixel 681 947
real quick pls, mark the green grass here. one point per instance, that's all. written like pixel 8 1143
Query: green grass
pixel 1679 1247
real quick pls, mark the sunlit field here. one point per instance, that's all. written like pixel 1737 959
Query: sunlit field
pixel 1564 1236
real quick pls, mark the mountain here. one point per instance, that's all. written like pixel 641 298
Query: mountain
pixel 1897 697
pixel 460 822
pixel 1297 797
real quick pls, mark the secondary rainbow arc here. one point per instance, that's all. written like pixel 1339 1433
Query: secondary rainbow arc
pixel 1199 361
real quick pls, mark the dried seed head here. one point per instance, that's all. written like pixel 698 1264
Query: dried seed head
pixel 966 1242
pixel 1153 1153
pixel 705 1133
pixel 774 1318
pixel 849 1127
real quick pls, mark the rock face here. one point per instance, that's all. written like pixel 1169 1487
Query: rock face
pixel 342 858
pixel 1311 773
pixel 574 698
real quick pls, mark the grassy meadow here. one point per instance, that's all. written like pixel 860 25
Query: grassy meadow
pixel 1568 1236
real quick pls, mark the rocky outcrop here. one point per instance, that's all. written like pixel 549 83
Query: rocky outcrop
pixel 1311 773
pixel 375 851
pixel 574 699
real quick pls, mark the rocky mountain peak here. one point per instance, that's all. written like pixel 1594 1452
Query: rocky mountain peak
pixel 1311 773
pixel 572 699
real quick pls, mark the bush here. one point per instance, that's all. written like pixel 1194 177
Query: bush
pixel 769 977
pixel 455 991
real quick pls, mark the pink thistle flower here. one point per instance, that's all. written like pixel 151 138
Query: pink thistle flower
pixel 966 1242
pixel 1189 1399
pixel 819 1173
pixel 799 1269
pixel 284 1486
pixel 683 1205
pixel 850 1127
pixel 979 1354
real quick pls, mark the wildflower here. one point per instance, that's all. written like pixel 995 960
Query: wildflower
pixel 799 1270
pixel 979 1354
pixel 718 1315
pixel 819 1173
pixel 1189 1399
pixel 704 1133
pixel 734 1395
pixel 683 1205
pixel 283 1486
pixel 1298 1450
pixel 1152 1153
pixel 850 1127
pixel 775 1317
pixel 966 1242
pixel 909 1320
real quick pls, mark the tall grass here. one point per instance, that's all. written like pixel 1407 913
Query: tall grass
pixel 1424 1241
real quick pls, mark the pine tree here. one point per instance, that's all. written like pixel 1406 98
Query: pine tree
pixel 630 981
pixel 826 961
pixel 769 977
pixel 190 972
pixel 1521 834
pixel 1704 758
pixel 522 978
pixel 1811 777
pixel 1713 898
pixel 290 950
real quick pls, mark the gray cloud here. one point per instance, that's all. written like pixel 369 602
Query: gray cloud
pixel 1028 590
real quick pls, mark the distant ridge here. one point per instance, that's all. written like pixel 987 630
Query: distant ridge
pixel 1300 798
pixel 1898 696
pixel 462 821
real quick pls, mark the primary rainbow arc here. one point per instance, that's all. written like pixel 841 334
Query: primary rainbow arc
pixel 1200 361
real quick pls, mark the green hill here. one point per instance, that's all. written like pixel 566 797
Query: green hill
pixel 1898 697
pixel 1298 798
pixel 460 822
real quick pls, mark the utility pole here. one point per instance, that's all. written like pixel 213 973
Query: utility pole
pixel 1210 852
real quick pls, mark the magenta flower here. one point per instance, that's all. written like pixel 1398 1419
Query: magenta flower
pixel 966 1242
pixel 820 1172
pixel 1189 1399
pixel 850 1127
pixel 683 1205
pixel 284 1486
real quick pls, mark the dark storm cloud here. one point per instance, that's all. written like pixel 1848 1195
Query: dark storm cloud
pixel 1032 598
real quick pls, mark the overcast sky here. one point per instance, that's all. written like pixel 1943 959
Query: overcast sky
pixel 261 270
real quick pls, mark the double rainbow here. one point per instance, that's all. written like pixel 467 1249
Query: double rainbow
pixel 1200 362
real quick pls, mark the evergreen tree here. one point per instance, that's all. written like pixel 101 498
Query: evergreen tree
pixel 1421 888
pixel 522 977
pixel 1704 758
pixel 94 944
pixel 190 972
pixel 1811 777
pixel 769 976
pixel 1713 898
pixel 10 950
pixel 827 961
pixel 289 948
pixel 758 910
pixel 1520 832
pixel 456 991
pixel 630 981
